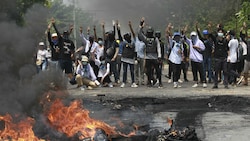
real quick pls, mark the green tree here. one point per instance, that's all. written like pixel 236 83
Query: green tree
pixel 244 15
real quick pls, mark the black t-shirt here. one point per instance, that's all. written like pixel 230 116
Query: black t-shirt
pixel 221 49
pixel 67 47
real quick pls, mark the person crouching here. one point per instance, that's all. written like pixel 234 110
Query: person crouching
pixel 85 76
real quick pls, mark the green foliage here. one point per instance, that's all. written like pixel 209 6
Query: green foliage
pixel 244 14
pixel 203 11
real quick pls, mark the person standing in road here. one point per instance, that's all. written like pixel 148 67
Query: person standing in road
pixel 66 50
pixel 129 57
pixel 176 57
pixel 232 57
pixel 220 53
pixel 196 57
pixel 152 52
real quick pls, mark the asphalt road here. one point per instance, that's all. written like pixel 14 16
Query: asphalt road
pixel 219 124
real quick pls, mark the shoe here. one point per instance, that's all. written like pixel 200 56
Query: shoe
pixel 226 87
pixel 195 85
pixel 180 81
pixel 240 80
pixel 176 85
pixel 204 85
pixel 122 85
pixel 90 88
pixel 110 85
pixel 97 82
pixel 157 81
pixel 73 81
pixel 169 81
pixel 118 81
pixel 134 85
pixel 215 87
pixel 82 88
pixel 186 80
pixel 154 81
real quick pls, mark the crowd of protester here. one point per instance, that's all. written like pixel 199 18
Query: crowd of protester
pixel 213 56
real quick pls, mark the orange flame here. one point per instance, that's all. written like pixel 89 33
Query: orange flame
pixel 74 119
pixel 21 131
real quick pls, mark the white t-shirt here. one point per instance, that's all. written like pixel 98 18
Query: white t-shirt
pixel 99 51
pixel 104 70
pixel 233 45
pixel 41 54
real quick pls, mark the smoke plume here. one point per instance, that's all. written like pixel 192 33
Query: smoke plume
pixel 20 84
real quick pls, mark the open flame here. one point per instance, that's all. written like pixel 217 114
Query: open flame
pixel 21 131
pixel 73 119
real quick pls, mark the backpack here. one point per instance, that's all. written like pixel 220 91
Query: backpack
pixel 240 56
pixel 151 45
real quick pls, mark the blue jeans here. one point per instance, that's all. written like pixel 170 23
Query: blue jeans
pixel 113 68
pixel 207 68
pixel 125 67
pixel 43 66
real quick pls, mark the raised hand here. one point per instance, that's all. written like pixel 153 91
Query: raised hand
pixel 80 29
pixel 53 20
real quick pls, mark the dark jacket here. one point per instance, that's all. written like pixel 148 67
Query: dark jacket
pixel 53 46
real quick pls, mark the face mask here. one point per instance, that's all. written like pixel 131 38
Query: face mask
pixel 100 43
pixel 193 38
pixel 220 34
pixel 103 62
pixel 55 41
pixel 84 63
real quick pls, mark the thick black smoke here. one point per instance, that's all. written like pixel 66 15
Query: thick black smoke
pixel 20 84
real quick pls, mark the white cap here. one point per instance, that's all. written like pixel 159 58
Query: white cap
pixel 54 35
pixel 85 58
pixel 41 44
pixel 193 33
